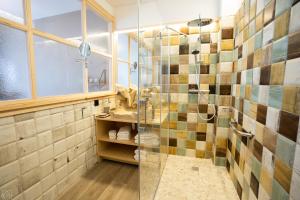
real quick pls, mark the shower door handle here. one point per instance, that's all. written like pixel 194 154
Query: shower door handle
pixel 143 101
pixel 142 129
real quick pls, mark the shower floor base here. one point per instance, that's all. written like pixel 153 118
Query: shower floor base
pixel 186 178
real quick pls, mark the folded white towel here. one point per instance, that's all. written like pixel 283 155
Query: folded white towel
pixel 136 157
pixel 112 134
pixel 152 141
pixel 142 154
pixel 125 129
pixel 123 138
pixel 123 134
pixel 146 136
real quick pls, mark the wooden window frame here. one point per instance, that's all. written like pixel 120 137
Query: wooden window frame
pixel 14 106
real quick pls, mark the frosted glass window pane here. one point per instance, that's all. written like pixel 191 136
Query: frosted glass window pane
pixel 123 46
pixel 134 54
pixel 58 70
pixel 61 18
pixel 145 66
pixel 134 51
pixel 123 74
pixel 14 70
pixel 98 31
pixel 99 70
pixel 13 10
pixel 134 77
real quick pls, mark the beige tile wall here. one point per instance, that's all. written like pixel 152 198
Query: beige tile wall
pixel 43 153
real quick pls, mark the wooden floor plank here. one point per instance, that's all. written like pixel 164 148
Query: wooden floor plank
pixel 100 184
pixel 130 191
pixel 107 181
pixel 119 185
pixel 85 182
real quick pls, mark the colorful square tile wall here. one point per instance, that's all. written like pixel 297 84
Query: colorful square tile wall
pixel 187 133
pixel 266 100
pixel 190 135
pixel 223 88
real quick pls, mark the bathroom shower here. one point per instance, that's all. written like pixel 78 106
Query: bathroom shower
pixel 200 23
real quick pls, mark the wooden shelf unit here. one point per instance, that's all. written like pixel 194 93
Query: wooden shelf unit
pixel 113 149
pixel 105 138
pixel 119 153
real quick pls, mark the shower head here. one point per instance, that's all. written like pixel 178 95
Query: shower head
pixel 200 22
pixel 195 52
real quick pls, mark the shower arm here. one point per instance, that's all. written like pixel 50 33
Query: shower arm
pixel 199 40
pixel 181 33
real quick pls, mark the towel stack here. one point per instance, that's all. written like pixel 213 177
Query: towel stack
pixel 142 153
pixel 112 134
pixel 124 133
pixel 149 139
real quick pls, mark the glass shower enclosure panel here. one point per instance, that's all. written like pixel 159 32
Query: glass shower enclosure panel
pixel 152 111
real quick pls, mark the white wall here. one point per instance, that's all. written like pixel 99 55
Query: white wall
pixel 126 17
pixel 106 6
pixel 229 7
pixel 159 12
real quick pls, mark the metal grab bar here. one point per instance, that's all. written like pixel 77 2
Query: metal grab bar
pixel 233 125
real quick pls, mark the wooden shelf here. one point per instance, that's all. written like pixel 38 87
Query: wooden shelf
pixel 155 121
pixel 119 153
pixel 116 150
pixel 112 119
pixel 105 138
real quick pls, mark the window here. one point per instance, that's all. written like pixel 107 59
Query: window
pixel 127 60
pixel 41 58
pixel 145 66
pixel 123 47
pixel 100 62
pixel 59 70
pixel 12 10
pixel 134 49
pixel 98 31
pixel 123 74
pixel 99 68
pixel 14 70
pixel 123 59
pixel 61 18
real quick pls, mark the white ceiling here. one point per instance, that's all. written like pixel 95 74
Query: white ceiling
pixel 117 3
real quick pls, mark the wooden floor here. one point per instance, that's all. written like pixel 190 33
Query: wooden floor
pixel 107 181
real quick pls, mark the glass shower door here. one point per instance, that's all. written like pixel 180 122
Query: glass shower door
pixel 153 112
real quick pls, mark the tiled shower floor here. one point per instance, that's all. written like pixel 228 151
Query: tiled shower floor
pixel 187 178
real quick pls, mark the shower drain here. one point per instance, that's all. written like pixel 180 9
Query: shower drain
pixel 195 168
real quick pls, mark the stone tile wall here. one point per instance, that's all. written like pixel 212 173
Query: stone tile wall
pixel 43 153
